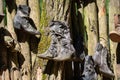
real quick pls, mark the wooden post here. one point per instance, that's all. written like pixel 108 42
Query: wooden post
pixel 114 8
pixel 13 56
pixel 34 40
pixel 91 24
pixel 102 22
pixel 4 73
pixel 24 57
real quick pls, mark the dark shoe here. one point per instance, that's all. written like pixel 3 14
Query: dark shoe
pixel 28 26
pixel 100 59
pixel 65 49
pixel 79 58
pixel 63 57
pixel 46 55
pixel 23 22
pixel 25 9
pixel 97 56
pixel 51 52
pixel 89 72
pixel 103 67
pixel 65 53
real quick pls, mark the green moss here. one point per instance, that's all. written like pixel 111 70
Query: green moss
pixel 44 77
pixel 45 40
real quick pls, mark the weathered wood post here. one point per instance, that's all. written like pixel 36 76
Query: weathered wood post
pixel 114 8
pixel 91 24
pixel 4 74
pixel 23 39
pixel 12 55
pixel 34 40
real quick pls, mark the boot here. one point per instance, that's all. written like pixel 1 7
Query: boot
pixel 97 56
pixel 1 17
pixel 23 22
pixel 25 9
pixel 103 67
pixel 66 50
pixel 115 34
pixel 100 59
pixel 22 12
pixel 29 26
pixel 52 50
pixel 89 72
pixel 65 54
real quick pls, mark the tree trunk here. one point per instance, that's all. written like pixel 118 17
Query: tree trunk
pixel 91 24
pixel 13 56
pixel 24 56
pixel 103 27
pixel 114 8
pixel 34 40
pixel 102 22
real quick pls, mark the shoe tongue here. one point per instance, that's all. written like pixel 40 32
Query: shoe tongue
pixel 99 47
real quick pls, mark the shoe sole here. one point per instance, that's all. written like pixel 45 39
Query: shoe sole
pixel 70 59
pixel 114 36
pixel 107 74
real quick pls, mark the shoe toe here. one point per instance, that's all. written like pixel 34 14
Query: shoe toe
pixel 114 36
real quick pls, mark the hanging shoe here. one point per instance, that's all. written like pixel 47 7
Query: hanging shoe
pixel 115 34
pixel 51 52
pixel 89 72
pixel 66 50
pixel 28 26
pixel 103 67
pixel 97 56
pixel 23 22
pixel 22 11
pixel 46 55
pixel 64 55
pixel 100 59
